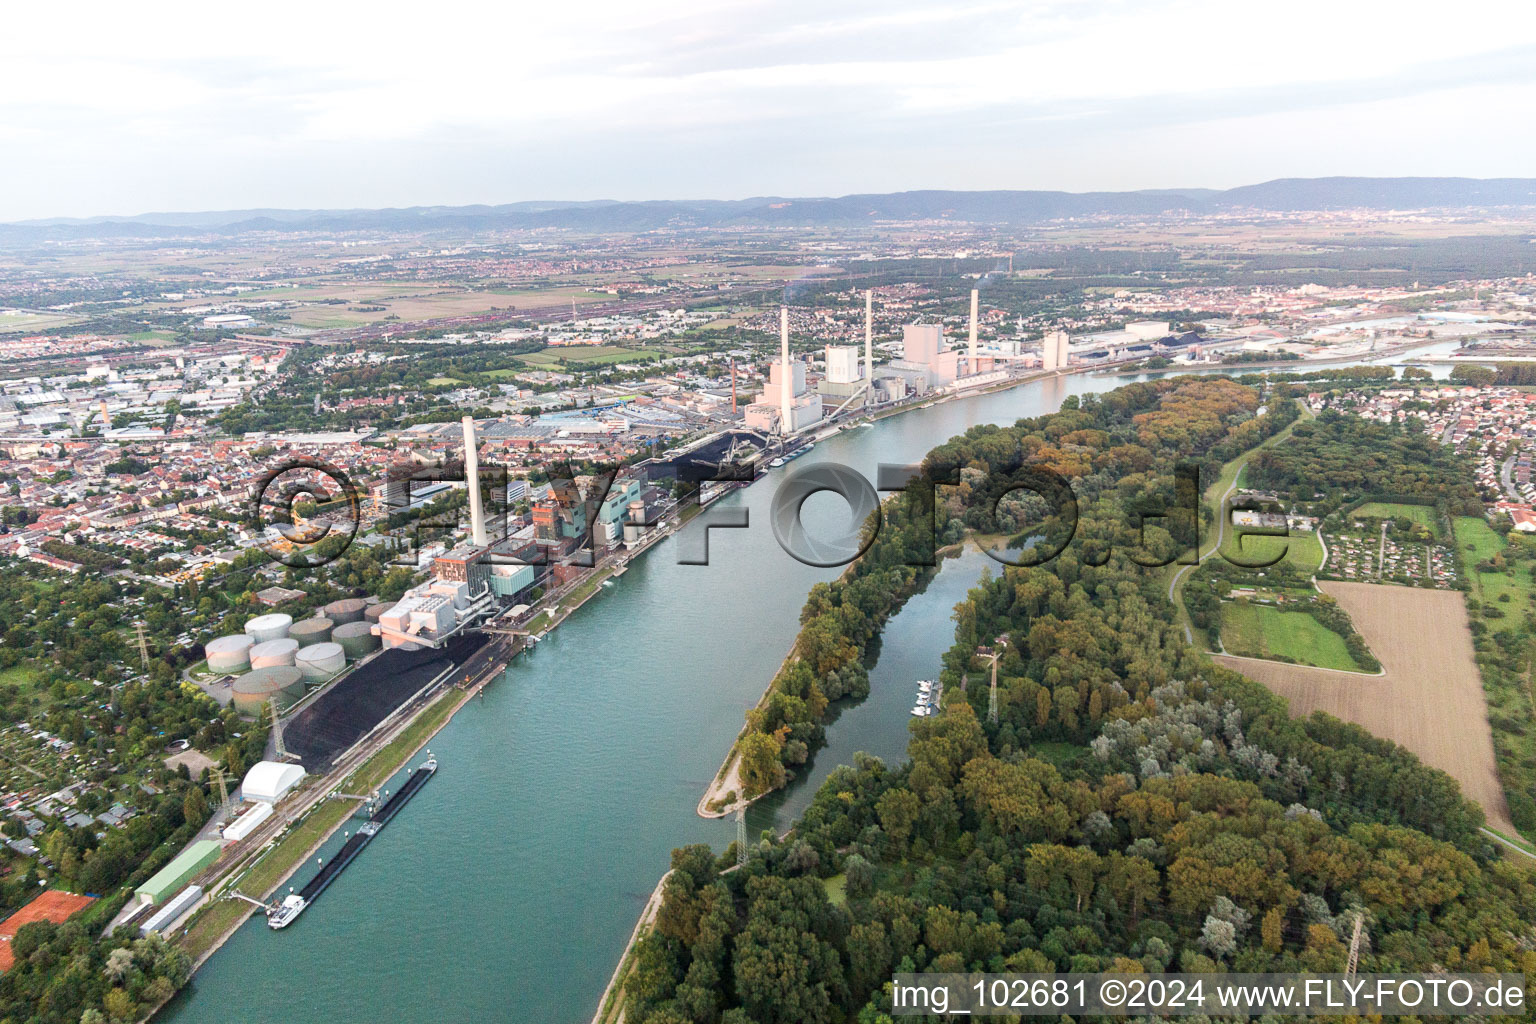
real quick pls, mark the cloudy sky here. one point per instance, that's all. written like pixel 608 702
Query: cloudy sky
pixel 123 109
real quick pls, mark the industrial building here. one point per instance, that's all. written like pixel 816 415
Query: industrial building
pixel 187 865
pixel 786 406
pixel 270 781
pixel 1055 351
pixel 247 822
pixel 172 911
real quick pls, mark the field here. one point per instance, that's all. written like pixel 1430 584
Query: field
pixel 16 323
pixel 371 302
pixel 1421 514
pixel 1429 698
pixel 1478 543
pixel 1302 550
pixel 584 355
pixel 1266 632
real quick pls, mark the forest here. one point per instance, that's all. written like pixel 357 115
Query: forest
pixel 1121 445
pixel 1338 458
pixel 1132 808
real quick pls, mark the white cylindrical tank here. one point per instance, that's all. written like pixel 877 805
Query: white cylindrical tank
pixel 269 627
pixel 273 653
pixel 230 653
pixel 319 662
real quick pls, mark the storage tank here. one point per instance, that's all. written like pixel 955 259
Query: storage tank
pixel 319 662
pixel 252 691
pixel 377 611
pixel 348 609
pixel 230 653
pixel 269 627
pixel 273 653
pixel 311 631
pixel 356 638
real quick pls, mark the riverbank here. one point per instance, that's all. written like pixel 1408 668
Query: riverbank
pixel 329 808
pixel 579 779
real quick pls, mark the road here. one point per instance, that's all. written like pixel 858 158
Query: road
pixel 1507 479
pixel 1221 531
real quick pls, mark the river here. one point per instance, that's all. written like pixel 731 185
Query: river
pixel 508 888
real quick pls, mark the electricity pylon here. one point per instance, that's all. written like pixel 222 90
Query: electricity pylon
pixel 1354 945
pixel 277 732
pixel 138 630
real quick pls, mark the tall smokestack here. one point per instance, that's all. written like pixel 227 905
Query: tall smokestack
pixel 733 386
pixel 787 378
pixel 868 336
pixel 472 480
pixel 975 297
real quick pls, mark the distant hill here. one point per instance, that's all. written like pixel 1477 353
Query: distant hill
pixel 993 207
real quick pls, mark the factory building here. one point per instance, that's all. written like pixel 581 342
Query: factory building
pixel 270 781
pixel 187 865
pixel 785 406
pixel 431 612
pixel 1055 350
pixel 844 377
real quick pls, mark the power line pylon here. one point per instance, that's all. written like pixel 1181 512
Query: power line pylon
pixel 992 697
pixel 277 732
pixel 138 631
pixel 218 778
pixel 1354 945
pixel 741 836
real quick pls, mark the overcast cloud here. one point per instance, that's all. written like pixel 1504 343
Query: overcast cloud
pixel 122 109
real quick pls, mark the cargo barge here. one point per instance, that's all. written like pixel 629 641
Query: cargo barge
pixel 294 904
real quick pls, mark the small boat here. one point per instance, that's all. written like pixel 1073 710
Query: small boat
pixel 922 711
pixel 776 463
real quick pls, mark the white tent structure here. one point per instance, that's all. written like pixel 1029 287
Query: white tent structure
pixel 270 781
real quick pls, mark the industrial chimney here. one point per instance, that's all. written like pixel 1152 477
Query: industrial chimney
pixel 975 296
pixel 472 480
pixel 869 340
pixel 787 378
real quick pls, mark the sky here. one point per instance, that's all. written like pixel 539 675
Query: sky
pixel 125 109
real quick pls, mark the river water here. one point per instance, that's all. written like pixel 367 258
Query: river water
pixel 508 888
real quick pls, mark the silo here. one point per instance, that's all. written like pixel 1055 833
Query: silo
pixel 311 631
pixel 269 627
pixel 634 522
pixel 348 609
pixel 273 653
pixel 356 638
pixel 252 691
pixel 230 653
pixel 319 662
pixel 377 611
